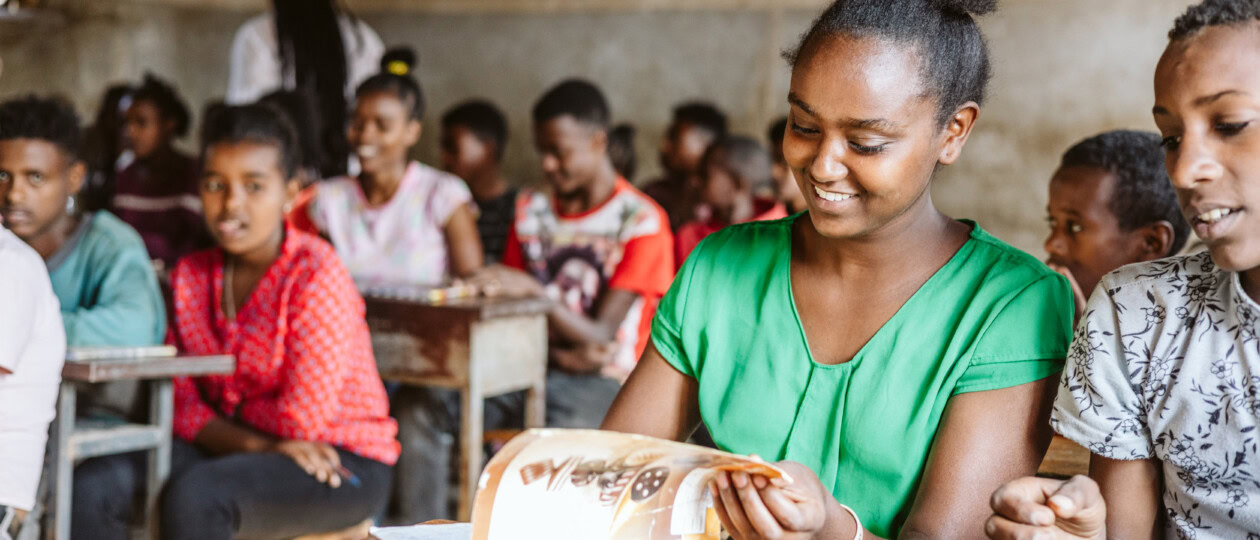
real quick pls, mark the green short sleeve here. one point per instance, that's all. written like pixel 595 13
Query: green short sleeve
pixel 1025 341
pixel 670 315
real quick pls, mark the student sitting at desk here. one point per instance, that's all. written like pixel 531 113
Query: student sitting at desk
pixel 298 440
pixel 399 221
pixel 600 249
pixel 891 358
pixel 99 268
pixel 32 349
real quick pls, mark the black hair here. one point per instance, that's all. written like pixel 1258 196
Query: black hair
pixel 402 85
pixel 1213 13
pixel 744 158
pixel 49 119
pixel 955 67
pixel 256 123
pixel 313 55
pixel 1142 193
pixel 302 109
pixel 776 131
pixel 621 150
pixel 578 98
pixel 483 119
pixel 703 115
pixel 167 101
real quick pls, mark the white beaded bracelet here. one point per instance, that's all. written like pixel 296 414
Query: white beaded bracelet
pixel 860 531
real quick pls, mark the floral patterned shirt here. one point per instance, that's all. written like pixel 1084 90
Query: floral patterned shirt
pixel 1166 364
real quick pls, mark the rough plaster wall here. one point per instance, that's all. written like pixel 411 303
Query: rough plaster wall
pixel 1065 69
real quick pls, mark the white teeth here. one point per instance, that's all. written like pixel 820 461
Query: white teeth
pixel 1213 216
pixel 829 196
pixel 366 151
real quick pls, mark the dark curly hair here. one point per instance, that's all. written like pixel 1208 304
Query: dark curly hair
pixel 483 119
pixel 1213 13
pixel 703 115
pixel 257 123
pixel 48 119
pixel 956 66
pixel 577 98
pixel 163 96
pixel 1142 193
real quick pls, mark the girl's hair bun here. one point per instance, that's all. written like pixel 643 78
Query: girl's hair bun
pixel 399 61
pixel 974 8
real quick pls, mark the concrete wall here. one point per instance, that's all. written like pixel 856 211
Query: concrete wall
pixel 1064 69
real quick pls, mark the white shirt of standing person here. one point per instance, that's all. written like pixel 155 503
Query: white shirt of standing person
pixel 255 69
pixel 32 350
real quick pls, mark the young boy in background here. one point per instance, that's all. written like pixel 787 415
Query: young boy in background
pixel 732 171
pixel 1111 204
pixel 474 137
pixel 694 127
pixel 784 183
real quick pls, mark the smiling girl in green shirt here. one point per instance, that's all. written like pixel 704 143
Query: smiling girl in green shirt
pixel 897 362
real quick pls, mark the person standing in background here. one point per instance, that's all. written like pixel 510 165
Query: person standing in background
pixel 312 45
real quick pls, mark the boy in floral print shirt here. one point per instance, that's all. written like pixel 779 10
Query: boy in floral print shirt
pixel 1162 382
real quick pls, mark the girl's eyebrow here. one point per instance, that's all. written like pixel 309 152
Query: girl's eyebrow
pixel 877 124
pixel 1201 101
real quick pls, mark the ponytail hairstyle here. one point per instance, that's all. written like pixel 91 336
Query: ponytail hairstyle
pixel 396 78
pixel 955 57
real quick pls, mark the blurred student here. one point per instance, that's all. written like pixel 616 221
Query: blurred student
pixel 298 439
pixel 157 193
pixel 694 127
pixel 474 137
pixel 731 171
pixel 98 266
pixel 789 192
pixel 398 221
pixel 102 148
pixel 1111 204
pixel 32 349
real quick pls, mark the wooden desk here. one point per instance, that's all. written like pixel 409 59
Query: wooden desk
pixel 71 441
pixel 481 347
pixel 1064 459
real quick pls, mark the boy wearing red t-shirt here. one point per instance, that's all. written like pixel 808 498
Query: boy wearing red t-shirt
pixel 599 249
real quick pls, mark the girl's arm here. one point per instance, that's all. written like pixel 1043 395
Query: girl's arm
pixel 463 243
pixel 657 400
pixel 1132 492
pixel 1120 502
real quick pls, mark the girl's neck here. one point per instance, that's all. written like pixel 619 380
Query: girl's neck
pixel 54 237
pixel 380 186
pixel 1250 280
pixel 920 235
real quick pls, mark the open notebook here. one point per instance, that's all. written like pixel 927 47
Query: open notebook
pixel 592 485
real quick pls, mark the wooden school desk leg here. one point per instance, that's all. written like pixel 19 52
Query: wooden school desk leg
pixel 161 414
pixel 63 463
pixel 536 404
pixel 470 453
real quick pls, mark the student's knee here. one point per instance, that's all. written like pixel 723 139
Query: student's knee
pixel 104 493
pixel 424 412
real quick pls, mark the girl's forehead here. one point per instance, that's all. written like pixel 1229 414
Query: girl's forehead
pixel 1218 59
pixel 858 77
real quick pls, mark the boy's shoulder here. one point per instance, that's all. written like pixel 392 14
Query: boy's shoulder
pixel 107 236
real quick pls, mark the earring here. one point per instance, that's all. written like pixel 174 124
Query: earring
pixel 70 205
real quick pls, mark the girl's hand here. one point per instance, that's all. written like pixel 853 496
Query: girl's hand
pixel 499 280
pixel 1051 509
pixel 752 507
pixel 316 458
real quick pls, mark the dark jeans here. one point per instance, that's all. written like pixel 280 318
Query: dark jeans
pixel 261 495
pixel 428 426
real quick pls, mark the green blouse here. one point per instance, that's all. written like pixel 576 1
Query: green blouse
pixel 992 317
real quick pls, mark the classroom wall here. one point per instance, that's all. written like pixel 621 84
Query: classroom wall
pixel 1065 69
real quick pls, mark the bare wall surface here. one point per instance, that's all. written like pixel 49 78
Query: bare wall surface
pixel 1065 69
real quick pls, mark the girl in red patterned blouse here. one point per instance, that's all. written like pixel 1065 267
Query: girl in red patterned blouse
pixel 298 440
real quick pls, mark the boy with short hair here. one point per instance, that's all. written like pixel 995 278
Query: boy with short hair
pixel 695 126
pixel 732 171
pixel 99 268
pixel 1111 204
pixel 785 186
pixel 474 137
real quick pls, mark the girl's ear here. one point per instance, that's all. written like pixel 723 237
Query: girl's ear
pixel 292 187
pixel 414 128
pixel 957 130
pixel 1157 240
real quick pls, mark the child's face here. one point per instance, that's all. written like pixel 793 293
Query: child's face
pixel 683 148
pixel 862 139
pixel 381 131
pixel 36 179
pixel 720 189
pixel 571 153
pixel 244 194
pixel 464 154
pixel 144 130
pixel 1207 106
pixel 1085 236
